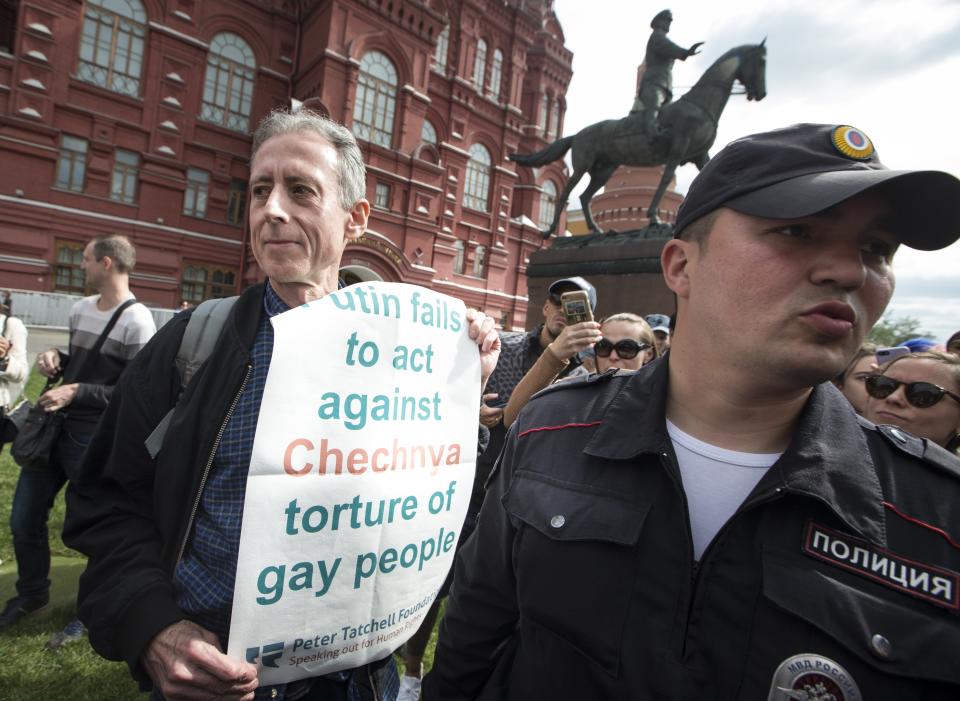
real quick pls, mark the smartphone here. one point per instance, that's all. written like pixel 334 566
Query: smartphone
pixel 576 307
pixel 885 355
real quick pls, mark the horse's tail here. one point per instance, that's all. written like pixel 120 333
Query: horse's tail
pixel 548 155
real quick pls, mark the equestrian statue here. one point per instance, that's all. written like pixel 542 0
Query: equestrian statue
pixel 684 131
pixel 656 85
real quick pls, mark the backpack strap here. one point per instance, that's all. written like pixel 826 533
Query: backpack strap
pixel 201 335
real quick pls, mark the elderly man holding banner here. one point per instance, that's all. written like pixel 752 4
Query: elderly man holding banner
pixel 302 510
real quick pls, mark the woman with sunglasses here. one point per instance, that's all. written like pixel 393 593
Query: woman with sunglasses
pixel 624 341
pixel 920 393
pixel 628 343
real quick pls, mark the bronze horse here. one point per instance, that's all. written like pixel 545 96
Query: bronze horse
pixel 688 128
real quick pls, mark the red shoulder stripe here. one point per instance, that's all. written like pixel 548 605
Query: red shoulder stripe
pixel 922 524
pixel 559 428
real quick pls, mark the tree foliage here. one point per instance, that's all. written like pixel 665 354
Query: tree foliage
pixel 890 331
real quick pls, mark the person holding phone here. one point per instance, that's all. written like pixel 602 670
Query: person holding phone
pixel 550 366
pixel 625 342
pixel 920 393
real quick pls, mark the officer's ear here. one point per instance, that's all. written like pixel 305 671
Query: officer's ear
pixel 674 261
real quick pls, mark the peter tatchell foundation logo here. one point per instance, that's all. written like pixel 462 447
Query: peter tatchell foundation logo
pixel 268 654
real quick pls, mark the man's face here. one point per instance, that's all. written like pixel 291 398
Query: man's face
pixel 787 301
pixel 92 268
pixel 553 318
pixel 298 229
pixel 662 339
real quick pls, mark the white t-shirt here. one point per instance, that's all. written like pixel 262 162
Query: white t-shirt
pixel 716 482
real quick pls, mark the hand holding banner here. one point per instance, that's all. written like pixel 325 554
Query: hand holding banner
pixel 359 481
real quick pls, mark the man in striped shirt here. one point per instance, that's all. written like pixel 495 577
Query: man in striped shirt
pixel 88 381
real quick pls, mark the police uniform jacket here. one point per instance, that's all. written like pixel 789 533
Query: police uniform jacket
pixel 837 575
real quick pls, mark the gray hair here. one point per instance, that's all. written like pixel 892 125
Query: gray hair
pixel 351 173
pixel 118 248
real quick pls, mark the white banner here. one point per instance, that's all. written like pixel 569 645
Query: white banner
pixel 359 481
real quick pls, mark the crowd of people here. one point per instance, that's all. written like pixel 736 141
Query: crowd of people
pixel 670 506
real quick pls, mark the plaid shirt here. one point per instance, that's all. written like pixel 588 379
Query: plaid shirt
pixel 205 576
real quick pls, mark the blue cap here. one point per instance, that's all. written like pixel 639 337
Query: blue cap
pixel 919 345
pixel 658 322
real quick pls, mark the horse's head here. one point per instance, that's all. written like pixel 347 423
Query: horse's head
pixel 752 70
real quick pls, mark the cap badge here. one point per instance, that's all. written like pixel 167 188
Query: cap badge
pixel 811 677
pixel 852 143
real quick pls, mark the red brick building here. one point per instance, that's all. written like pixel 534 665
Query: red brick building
pixel 133 116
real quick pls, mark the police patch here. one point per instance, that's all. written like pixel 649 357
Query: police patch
pixel 928 582
pixel 852 142
pixel 809 677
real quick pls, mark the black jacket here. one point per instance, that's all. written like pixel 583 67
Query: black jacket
pixel 580 583
pixel 131 516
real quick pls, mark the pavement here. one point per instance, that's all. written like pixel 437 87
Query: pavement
pixel 40 338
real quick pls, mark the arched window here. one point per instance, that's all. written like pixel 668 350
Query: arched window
pixel 376 102
pixel 480 64
pixel 544 110
pixel 496 72
pixel 428 134
pixel 458 260
pixel 554 120
pixel 111 45
pixel 228 86
pixel 548 204
pixel 477 187
pixel 443 45
pixel 480 262
pixel 428 150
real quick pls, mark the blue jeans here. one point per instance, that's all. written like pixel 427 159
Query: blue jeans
pixel 36 492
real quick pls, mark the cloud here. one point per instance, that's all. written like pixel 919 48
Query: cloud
pixel 840 57
pixel 931 287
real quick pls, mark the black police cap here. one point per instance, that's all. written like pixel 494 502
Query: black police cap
pixel 808 168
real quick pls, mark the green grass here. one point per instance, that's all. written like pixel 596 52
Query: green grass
pixel 75 672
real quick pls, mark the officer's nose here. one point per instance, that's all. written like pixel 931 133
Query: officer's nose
pixel 842 266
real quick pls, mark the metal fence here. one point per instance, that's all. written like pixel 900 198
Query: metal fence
pixel 53 308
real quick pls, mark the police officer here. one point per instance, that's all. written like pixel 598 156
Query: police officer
pixel 721 524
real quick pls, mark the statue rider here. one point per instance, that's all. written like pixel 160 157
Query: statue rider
pixel 656 86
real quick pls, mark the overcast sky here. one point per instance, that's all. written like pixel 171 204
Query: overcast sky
pixel 887 67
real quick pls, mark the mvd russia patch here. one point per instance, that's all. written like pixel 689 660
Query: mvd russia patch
pixel 810 677
pixel 928 582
